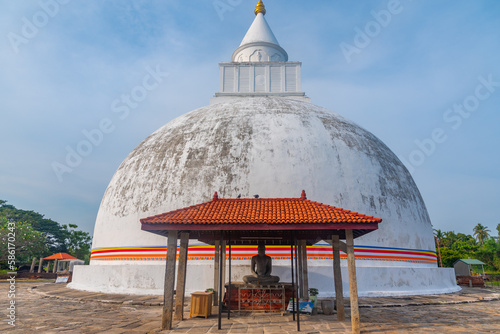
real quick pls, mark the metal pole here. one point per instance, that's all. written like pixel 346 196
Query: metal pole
pixel 220 282
pixel 297 280
pixel 229 287
pixel 293 283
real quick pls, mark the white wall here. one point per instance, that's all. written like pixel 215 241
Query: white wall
pixel 372 281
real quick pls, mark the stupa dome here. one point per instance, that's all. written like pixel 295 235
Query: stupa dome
pixel 271 146
pixel 260 135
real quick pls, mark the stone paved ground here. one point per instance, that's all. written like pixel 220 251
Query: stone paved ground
pixel 37 311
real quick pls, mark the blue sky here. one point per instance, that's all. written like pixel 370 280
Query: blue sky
pixel 423 76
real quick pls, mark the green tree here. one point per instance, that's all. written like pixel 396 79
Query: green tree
pixel 481 233
pixel 498 229
pixel 489 253
pixel 449 238
pixel 455 246
pixel 26 241
pixel 438 235
pixel 57 238
pixel 54 233
pixel 449 256
pixel 77 242
pixel 464 244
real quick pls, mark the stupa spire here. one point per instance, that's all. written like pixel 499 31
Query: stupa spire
pixel 260 8
pixel 259 43
pixel 260 66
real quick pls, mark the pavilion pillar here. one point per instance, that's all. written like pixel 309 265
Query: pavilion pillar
pixel 180 289
pixel 168 289
pixel 40 265
pixel 305 272
pixel 33 263
pixel 337 278
pixel 54 270
pixel 353 287
pixel 216 273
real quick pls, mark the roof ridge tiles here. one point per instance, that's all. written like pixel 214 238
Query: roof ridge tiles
pixel 260 211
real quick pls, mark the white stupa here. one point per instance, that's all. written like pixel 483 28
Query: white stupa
pixel 261 135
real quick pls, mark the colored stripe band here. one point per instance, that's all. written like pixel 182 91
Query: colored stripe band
pixel 315 252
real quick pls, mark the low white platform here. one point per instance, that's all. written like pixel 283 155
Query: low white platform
pixel 372 281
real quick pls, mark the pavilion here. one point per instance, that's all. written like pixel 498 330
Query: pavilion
pixel 61 261
pixel 280 221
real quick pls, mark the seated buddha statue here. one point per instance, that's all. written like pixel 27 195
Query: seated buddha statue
pixel 261 267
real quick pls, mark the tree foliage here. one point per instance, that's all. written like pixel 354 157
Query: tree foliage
pixel 26 242
pixel 77 242
pixel 34 230
pixel 54 233
pixel 449 256
pixel 481 233
pixel 438 234
pixel 455 246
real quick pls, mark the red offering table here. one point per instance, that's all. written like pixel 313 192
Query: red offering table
pixel 268 298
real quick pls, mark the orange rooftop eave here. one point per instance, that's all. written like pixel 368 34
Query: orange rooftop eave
pixel 261 214
pixel 60 256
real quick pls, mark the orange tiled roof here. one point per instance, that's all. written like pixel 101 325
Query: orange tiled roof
pixel 260 211
pixel 60 256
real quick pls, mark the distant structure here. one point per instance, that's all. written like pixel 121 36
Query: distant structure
pixel 261 135
pixel 468 267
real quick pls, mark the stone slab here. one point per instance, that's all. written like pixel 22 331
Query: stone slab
pixel 472 310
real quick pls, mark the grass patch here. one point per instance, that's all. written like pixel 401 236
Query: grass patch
pixel 492 283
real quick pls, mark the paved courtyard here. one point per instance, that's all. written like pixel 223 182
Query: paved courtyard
pixel 43 307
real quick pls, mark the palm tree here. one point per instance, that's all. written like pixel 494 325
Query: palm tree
pixel 438 235
pixel 481 233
